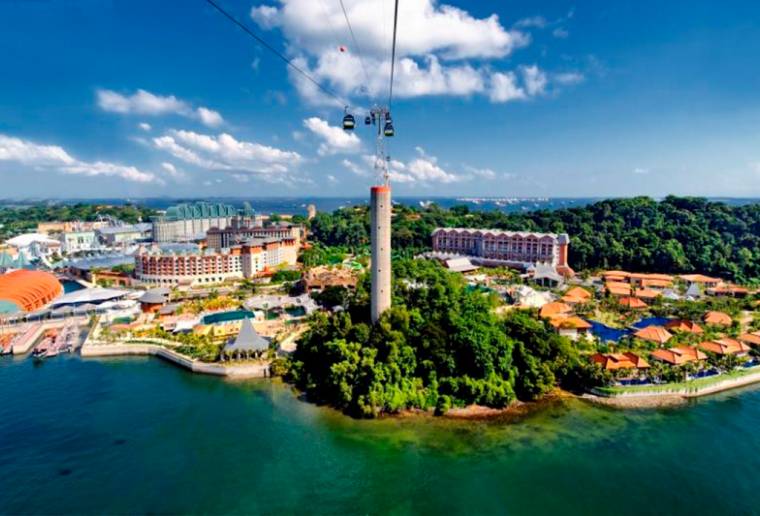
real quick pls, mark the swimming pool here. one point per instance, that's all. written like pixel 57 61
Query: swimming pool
pixel 234 315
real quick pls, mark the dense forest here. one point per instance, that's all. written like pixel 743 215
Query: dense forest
pixel 16 220
pixel 440 345
pixel 677 234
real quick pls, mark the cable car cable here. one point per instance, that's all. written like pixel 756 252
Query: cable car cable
pixel 356 44
pixel 393 54
pixel 274 51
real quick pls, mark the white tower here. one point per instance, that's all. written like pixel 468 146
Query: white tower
pixel 380 220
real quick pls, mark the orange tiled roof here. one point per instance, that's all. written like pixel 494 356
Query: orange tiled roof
pixel 656 283
pixel 614 361
pixel 717 318
pixel 684 326
pixel 619 274
pixel 617 288
pixel 29 290
pixel 578 293
pixel 651 276
pixel 751 338
pixel 632 302
pixel 724 346
pixel 678 355
pixel 656 334
pixel 572 322
pixel 646 293
pixel 554 308
pixel 699 278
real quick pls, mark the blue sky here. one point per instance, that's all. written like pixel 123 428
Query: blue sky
pixel 133 98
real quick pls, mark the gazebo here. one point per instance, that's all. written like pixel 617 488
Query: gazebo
pixel 248 343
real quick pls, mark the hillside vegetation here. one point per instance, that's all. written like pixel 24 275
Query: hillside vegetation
pixel 675 235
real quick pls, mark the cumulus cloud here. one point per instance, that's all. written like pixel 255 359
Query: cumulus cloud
pixel 435 43
pixel 53 157
pixel 224 152
pixel 538 22
pixel 504 87
pixel 641 171
pixel 172 171
pixel 334 139
pixel 560 33
pixel 146 103
pixel 144 126
pixel 535 80
pixel 422 170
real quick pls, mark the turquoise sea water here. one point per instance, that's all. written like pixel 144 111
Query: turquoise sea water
pixel 138 435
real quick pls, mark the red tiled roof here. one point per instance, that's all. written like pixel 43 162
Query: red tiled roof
pixel 751 338
pixel 614 361
pixel 572 322
pixel 684 326
pixel 717 318
pixel 656 334
pixel 724 346
pixel 678 355
pixel 554 308
pixel 633 302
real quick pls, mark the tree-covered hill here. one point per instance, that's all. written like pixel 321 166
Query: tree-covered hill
pixel 440 345
pixel 677 234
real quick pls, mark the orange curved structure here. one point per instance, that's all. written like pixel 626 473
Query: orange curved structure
pixel 29 290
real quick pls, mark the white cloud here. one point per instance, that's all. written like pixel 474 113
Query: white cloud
pixel 535 80
pixel 356 169
pixel 504 88
pixel 335 139
pixel 54 157
pixel 146 103
pixel 144 126
pixel 224 152
pixel 641 171
pixel 172 170
pixel 538 22
pixel 209 117
pixel 484 173
pixel 434 42
pixel 423 170
pixel 560 33
pixel 568 78
pixel 332 178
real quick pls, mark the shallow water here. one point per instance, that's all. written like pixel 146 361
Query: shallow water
pixel 138 435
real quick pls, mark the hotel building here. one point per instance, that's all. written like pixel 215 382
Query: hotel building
pixel 252 258
pixel 496 247
pixel 242 229
pixel 186 222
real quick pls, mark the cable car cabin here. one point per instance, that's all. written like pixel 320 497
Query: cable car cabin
pixel 367 120
pixel 349 122
pixel 388 129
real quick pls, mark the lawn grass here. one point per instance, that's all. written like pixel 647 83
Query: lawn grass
pixel 697 384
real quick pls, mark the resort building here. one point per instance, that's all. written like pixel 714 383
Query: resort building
pixel 78 241
pixel 616 361
pixel 577 296
pixel 751 339
pixel 26 291
pixel 113 236
pixel 679 355
pixel 187 222
pixel 701 280
pixel 725 346
pixel 714 318
pixel 570 326
pixel 319 278
pixel 683 326
pixel 248 343
pixel 495 247
pixel 242 229
pixel 554 309
pixel 633 303
pixel 656 334
pixel 34 245
pixel 253 258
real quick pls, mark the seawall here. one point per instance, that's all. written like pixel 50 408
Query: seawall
pixel 91 350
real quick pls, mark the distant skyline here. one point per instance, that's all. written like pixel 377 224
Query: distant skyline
pixel 492 99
